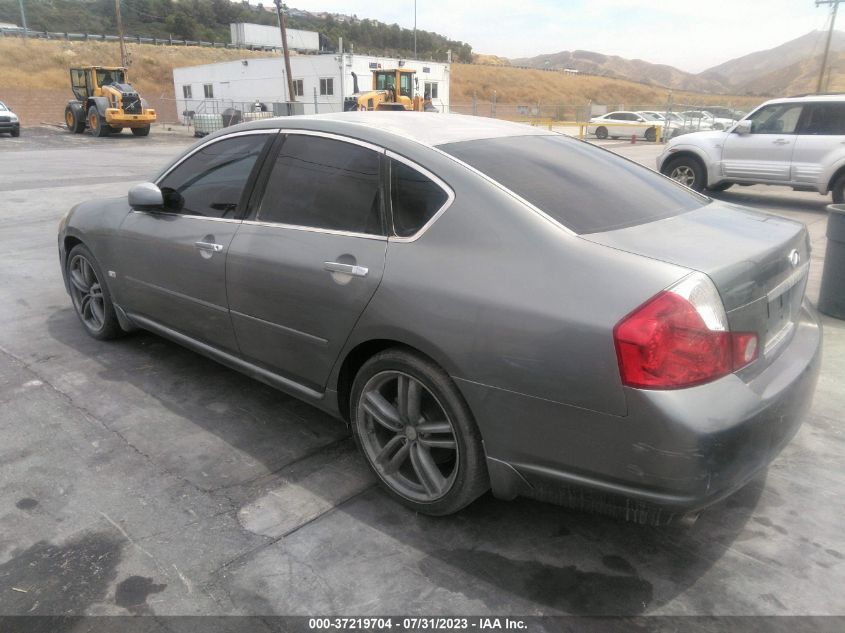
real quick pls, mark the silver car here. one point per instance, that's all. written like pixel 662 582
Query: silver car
pixel 456 290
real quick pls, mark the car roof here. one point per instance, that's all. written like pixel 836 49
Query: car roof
pixel 428 128
pixel 815 97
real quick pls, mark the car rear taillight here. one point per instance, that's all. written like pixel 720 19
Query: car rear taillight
pixel 680 338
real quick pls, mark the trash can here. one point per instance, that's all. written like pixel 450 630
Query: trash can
pixel 832 294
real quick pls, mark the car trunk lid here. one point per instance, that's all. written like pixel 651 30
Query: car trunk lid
pixel 758 262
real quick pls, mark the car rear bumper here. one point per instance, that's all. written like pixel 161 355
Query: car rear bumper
pixel 678 451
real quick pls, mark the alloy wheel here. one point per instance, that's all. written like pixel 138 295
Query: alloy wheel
pixel 87 293
pixel 408 436
pixel 684 175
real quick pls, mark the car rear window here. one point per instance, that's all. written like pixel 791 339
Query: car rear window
pixel 586 189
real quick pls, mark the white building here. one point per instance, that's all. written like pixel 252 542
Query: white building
pixel 245 34
pixel 320 82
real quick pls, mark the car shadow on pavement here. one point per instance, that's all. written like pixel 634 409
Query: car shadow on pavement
pixel 235 437
pixel 772 201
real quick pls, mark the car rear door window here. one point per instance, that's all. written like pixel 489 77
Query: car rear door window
pixel 210 182
pixel 824 119
pixel 585 188
pixel 324 183
pixel 415 198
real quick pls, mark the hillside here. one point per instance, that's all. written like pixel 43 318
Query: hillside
pixel 621 68
pixel 752 68
pixel 522 86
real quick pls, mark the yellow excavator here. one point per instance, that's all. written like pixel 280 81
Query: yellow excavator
pixel 394 89
pixel 105 103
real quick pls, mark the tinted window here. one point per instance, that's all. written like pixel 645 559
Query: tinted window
pixel 825 119
pixel 415 198
pixel 326 184
pixel 780 118
pixel 585 188
pixel 210 182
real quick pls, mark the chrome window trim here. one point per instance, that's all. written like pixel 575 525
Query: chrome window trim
pixel 314 229
pixel 186 215
pixel 204 145
pixel 450 198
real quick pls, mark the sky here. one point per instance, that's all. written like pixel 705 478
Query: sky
pixel 692 35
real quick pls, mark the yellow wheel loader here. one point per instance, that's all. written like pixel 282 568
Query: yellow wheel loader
pixel 105 103
pixel 396 89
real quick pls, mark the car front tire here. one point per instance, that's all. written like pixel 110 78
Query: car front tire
pixel 16 132
pixel 141 131
pixel 686 171
pixel 838 190
pixel 417 433
pixel 96 123
pixel 651 135
pixel 90 295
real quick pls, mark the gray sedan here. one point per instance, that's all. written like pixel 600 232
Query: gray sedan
pixel 488 305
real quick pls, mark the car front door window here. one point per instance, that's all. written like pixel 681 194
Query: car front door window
pixel 781 118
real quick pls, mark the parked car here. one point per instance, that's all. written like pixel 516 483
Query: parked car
pixel 9 122
pixel 616 124
pixel 798 142
pixel 702 119
pixel 667 126
pixel 685 126
pixel 454 289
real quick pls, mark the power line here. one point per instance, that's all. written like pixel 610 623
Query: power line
pixel 834 8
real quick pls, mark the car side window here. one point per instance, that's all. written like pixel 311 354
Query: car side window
pixel 414 198
pixel 779 118
pixel 211 181
pixel 324 183
pixel 824 119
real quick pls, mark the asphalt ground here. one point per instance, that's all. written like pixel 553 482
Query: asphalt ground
pixel 137 477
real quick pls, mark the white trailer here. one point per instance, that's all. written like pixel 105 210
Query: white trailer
pixel 259 35
pixel 320 82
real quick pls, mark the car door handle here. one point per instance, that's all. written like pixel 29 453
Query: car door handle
pixel 211 247
pixel 349 269
pixel 781 141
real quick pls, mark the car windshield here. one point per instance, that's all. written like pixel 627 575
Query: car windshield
pixel 585 188
pixel 105 77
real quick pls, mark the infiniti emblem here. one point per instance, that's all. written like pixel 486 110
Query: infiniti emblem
pixel 794 258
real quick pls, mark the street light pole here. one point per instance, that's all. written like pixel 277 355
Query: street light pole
pixel 415 29
pixel 23 19
pixel 283 29
pixel 123 60
pixel 835 5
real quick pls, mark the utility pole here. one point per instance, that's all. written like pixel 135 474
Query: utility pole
pixel 415 29
pixel 23 19
pixel 835 7
pixel 123 60
pixel 282 28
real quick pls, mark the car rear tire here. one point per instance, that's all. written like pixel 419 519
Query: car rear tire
pixel 838 190
pixel 687 171
pixel 90 295
pixel 417 433
pixel 601 133
pixel 96 123
pixel 651 135
pixel 141 131
pixel 16 132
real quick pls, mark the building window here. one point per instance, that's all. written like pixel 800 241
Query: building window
pixel 209 91
pixel 298 89
pixel 327 87
pixel 186 92
pixel 431 90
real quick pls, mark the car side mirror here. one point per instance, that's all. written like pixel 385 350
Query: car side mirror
pixel 146 197
pixel 743 127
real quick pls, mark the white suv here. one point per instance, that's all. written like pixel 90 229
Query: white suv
pixel 798 142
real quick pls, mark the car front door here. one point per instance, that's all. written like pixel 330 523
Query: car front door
pixel 173 261
pixel 303 267
pixel 765 154
pixel 819 142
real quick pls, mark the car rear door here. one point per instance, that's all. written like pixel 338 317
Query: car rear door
pixel 765 154
pixel 173 261
pixel 305 264
pixel 820 140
